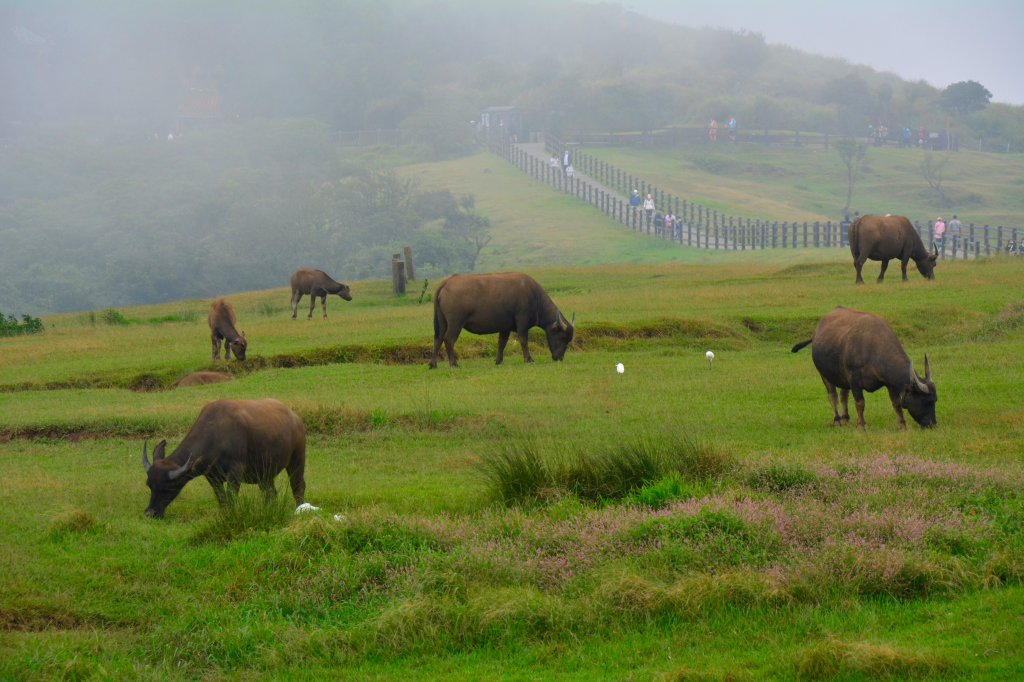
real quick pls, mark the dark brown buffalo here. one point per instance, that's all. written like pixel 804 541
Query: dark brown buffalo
pixel 233 442
pixel 222 328
pixel 200 378
pixel 315 283
pixel 497 304
pixel 886 237
pixel 859 352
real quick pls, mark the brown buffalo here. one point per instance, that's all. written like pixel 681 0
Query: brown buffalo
pixel 497 304
pixel 859 352
pixel 222 328
pixel 315 283
pixel 200 378
pixel 233 442
pixel 883 238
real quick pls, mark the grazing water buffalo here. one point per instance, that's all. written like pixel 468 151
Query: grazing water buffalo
pixel 233 442
pixel 222 328
pixel 859 352
pixel 497 304
pixel 315 283
pixel 886 237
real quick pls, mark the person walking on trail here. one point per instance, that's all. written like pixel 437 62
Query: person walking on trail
pixel 713 131
pixel 649 210
pixel 634 203
pixel 939 233
pixel 954 229
pixel 569 172
pixel 670 224
pixel 565 160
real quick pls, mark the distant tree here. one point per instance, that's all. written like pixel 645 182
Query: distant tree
pixel 470 228
pixel 932 172
pixel 852 154
pixel 965 97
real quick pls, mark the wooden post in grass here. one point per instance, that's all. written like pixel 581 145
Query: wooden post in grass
pixel 397 274
pixel 410 269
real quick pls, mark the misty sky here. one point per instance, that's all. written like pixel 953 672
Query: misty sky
pixel 939 41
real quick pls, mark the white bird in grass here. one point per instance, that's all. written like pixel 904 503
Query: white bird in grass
pixel 620 368
pixel 710 356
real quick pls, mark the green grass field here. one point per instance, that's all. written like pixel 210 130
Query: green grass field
pixel 782 548
pixel 673 522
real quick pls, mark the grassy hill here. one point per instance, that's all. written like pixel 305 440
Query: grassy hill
pixel 685 521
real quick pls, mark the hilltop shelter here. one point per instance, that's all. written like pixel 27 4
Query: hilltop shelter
pixel 494 119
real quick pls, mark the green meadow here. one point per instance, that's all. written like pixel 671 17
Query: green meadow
pixel 544 521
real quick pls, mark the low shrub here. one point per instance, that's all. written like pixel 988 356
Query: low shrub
pixel 9 326
pixel 243 515
pixel 781 478
pixel 518 472
pixel 832 659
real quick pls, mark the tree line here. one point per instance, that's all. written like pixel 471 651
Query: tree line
pixel 100 218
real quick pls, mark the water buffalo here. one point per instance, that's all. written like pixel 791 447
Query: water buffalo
pixel 222 328
pixel 315 283
pixel 859 352
pixel 233 442
pixel 885 237
pixel 497 304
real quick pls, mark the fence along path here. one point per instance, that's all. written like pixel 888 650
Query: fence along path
pixel 606 188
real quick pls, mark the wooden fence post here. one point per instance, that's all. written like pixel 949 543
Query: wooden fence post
pixel 397 274
pixel 410 269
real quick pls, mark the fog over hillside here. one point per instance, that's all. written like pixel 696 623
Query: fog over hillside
pixel 938 42
pixel 99 208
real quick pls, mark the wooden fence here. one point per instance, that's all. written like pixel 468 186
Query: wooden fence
pixel 704 227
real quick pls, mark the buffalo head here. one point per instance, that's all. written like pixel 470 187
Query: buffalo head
pixel 164 478
pixel 238 348
pixel 926 266
pixel 560 335
pixel 920 397
pixel 345 293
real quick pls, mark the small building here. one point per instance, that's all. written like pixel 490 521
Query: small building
pixel 507 118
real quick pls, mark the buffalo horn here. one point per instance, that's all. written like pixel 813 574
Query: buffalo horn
pixel 927 369
pixel 916 380
pixel 572 322
pixel 180 470
pixel 145 460
pixel 935 249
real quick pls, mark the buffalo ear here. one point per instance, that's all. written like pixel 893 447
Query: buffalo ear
pixel 158 451
pixel 145 460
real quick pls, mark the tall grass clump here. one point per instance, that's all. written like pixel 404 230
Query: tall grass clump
pixel 245 514
pixel 833 659
pixel 518 472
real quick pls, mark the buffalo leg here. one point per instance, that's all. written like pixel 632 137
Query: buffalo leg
pixel 323 305
pixel 449 345
pixel 858 264
pixel 216 346
pixel 312 305
pixel 217 483
pixel 296 297
pixel 834 402
pixel 502 340
pixel 296 476
pixel 440 330
pixel 897 405
pixel 903 265
pixel 858 399
pixel 881 273
pixel 844 397
pixel 524 341
pixel 269 491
